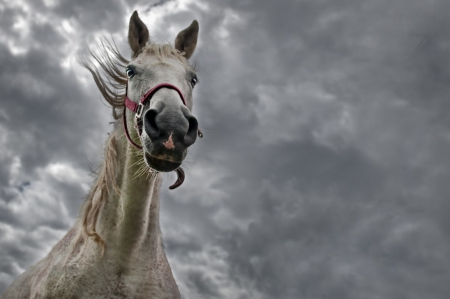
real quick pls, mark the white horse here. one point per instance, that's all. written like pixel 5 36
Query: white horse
pixel 115 249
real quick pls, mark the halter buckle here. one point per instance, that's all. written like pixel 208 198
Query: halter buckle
pixel 139 111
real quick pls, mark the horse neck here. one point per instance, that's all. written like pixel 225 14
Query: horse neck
pixel 129 221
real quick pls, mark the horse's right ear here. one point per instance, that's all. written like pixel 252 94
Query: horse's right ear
pixel 137 34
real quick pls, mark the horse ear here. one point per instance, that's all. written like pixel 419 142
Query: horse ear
pixel 187 39
pixel 137 34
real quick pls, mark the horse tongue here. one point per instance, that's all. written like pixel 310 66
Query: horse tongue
pixel 180 179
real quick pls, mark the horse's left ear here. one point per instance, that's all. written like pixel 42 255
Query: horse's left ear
pixel 187 39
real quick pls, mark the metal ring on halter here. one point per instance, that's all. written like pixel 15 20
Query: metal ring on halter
pixel 139 110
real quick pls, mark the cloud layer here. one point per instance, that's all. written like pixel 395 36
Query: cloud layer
pixel 324 168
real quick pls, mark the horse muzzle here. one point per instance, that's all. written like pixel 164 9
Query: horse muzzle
pixel 167 133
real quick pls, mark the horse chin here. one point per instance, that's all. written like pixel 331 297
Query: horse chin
pixel 160 164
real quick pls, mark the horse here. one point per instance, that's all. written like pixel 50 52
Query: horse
pixel 115 249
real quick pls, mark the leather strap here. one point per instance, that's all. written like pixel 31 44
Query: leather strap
pixel 148 95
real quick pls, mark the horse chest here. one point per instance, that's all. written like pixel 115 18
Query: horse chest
pixel 102 279
pixel 139 285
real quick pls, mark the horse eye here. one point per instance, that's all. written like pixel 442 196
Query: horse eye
pixel 130 73
pixel 193 81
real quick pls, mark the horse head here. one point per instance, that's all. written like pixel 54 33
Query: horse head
pixel 159 91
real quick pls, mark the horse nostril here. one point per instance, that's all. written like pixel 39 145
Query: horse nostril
pixel 191 134
pixel 150 126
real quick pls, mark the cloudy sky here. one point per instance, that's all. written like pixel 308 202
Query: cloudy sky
pixel 325 167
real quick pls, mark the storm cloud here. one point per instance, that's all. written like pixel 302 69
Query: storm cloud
pixel 324 169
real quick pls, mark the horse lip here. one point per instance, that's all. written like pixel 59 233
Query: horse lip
pixel 158 164
pixel 163 157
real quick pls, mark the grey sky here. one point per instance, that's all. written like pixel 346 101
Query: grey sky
pixel 324 169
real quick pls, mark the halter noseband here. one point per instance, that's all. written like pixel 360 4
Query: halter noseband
pixel 138 108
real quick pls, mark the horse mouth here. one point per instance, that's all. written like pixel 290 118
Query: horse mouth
pixel 160 164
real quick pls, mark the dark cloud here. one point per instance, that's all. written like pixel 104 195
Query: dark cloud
pixel 323 172
pixel 7 18
pixel 200 283
pixel 93 15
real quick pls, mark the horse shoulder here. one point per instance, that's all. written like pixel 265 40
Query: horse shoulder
pixel 38 281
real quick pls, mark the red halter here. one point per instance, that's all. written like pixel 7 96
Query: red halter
pixel 138 108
